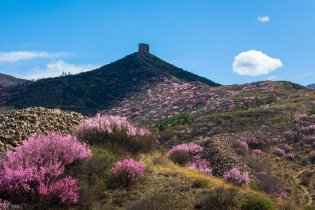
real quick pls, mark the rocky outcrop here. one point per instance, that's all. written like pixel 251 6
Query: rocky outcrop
pixel 17 125
pixel 221 155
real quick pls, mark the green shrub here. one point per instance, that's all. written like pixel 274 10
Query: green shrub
pixel 220 199
pixel 257 203
pixel 94 176
pixel 269 183
pixel 119 141
pixel 180 158
pixel 181 119
pixel 306 178
pixel 253 186
pixel 200 183
pixel 312 111
pixel 157 201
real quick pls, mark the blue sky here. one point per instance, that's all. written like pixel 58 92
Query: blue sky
pixel 43 38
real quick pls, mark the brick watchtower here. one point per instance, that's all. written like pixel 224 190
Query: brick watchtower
pixel 143 48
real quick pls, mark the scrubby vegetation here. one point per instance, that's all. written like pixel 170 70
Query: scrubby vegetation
pixel 115 133
pixel 56 171
pixel 233 147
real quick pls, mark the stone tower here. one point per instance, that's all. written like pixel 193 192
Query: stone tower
pixel 143 48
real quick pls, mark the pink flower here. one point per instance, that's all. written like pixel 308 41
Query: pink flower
pixel 234 175
pixel 191 149
pixel 108 124
pixel 128 169
pixel 278 151
pixel 38 164
pixel 66 189
pixel 202 165
pixel 290 156
pixel 299 117
pixel 258 152
pixel 6 205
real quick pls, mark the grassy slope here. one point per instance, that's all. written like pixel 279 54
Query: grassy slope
pixel 168 183
pixel 267 119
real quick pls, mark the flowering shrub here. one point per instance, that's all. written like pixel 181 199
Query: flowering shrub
pixel 255 142
pixel 36 169
pixel 202 166
pixel 184 153
pixel 6 205
pixel 109 124
pixel 234 175
pixel 299 117
pixel 290 156
pixel 308 129
pixel 127 171
pixel 241 147
pixel 278 151
pixel 268 182
pixel 115 133
pixel 191 149
pixel 258 152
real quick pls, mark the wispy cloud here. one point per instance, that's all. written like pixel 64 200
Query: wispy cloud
pixel 263 19
pixel 255 63
pixel 16 56
pixel 57 68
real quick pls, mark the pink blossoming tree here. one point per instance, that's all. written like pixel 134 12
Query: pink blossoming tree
pixel 35 171
pixel 115 133
pixel 128 171
pixel 235 176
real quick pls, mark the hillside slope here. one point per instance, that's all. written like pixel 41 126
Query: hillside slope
pixel 268 115
pixel 311 85
pixel 7 80
pixel 99 89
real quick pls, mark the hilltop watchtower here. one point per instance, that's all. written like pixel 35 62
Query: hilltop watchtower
pixel 144 48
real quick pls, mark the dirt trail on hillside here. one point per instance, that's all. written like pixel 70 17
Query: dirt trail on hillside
pixel 305 190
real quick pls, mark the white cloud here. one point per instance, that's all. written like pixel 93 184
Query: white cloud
pixel 16 56
pixel 263 19
pixel 56 68
pixel 255 63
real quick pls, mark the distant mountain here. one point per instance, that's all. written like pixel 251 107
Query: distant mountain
pixel 7 81
pixel 99 89
pixel 311 85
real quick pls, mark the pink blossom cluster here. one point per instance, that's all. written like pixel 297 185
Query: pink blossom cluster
pixel 201 165
pixel 299 117
pixel 308 129
pixel 107 124
pixel 38 165
pixel 6 205
pixel 290 156
pixel 258 152
pixel 167 99
pixel 235 176
pixel 249 139
pixel 129 169
pixel 191 149
pixel 194 151
pixel 278 151
pixel 241 146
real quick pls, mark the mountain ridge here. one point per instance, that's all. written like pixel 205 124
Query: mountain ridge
pixel 7 81
pixel 96 90
pixel 311 85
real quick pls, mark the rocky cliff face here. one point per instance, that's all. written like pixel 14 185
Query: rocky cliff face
pixel 18 125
